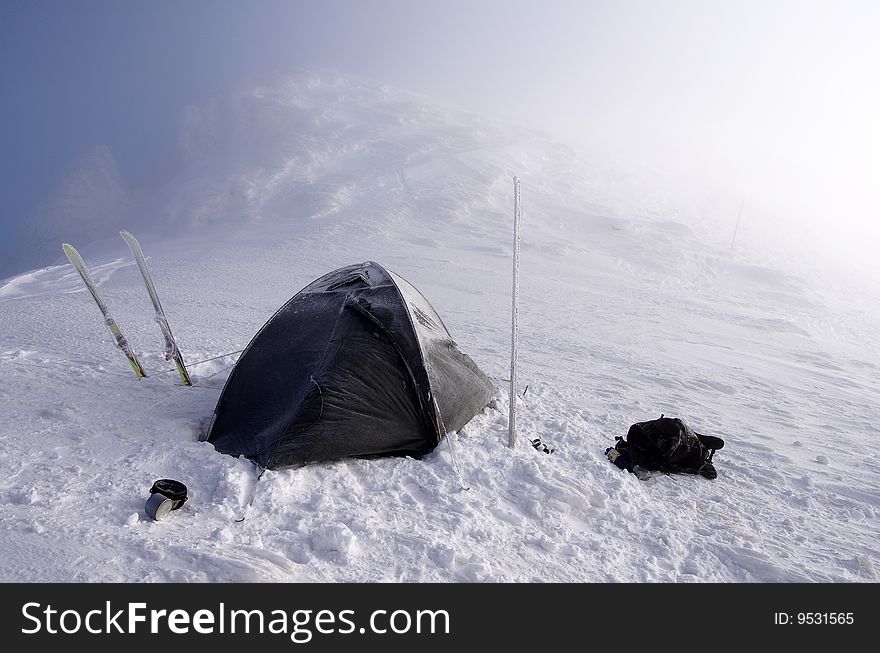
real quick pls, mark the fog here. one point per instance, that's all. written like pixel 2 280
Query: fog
pixel 774 103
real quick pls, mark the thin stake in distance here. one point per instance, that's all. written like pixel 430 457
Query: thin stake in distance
pixel 738 217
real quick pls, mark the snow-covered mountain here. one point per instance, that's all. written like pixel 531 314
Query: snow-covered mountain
pixel 316 146
pixel 632 305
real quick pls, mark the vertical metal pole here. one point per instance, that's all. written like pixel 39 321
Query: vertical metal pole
pixel 514 330
pixel 737 224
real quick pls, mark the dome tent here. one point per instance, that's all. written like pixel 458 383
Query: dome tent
pixel 357 363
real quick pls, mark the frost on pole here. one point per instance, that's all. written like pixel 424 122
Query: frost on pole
pixel 514 328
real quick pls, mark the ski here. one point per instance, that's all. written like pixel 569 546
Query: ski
pixel 172 352
pixel 77 262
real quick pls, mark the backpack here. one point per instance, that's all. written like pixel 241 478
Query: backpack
pixel 666 445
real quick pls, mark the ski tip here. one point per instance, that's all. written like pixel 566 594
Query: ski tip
pixel 71 253
pixel 128 237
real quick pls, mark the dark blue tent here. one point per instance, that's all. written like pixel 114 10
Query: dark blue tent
pixel 357 363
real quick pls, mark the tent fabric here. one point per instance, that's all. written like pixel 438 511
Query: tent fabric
pixel 357 363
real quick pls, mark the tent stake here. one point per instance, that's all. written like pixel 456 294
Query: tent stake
pixel 514 330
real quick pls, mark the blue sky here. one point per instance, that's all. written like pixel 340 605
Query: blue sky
pixel 86 72
pixel 779 93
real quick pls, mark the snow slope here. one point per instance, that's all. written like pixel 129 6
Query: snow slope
pixel 630 307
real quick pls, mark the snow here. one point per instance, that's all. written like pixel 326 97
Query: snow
pixel 630 306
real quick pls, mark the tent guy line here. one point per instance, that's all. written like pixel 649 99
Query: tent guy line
pixel 207 360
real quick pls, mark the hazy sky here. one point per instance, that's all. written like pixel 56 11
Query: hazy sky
pixel 772 96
